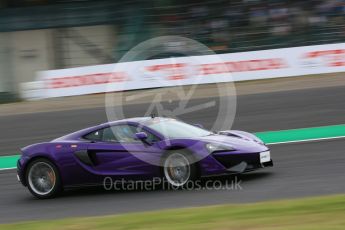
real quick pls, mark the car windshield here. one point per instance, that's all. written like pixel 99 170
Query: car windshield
pixel 171 128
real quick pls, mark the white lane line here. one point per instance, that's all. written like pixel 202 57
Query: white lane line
pixel 7 169
pixel 307 140
pixel 10 156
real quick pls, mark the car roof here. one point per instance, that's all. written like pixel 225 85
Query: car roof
pixel 140 120
pixel 134 119
pixel 80 133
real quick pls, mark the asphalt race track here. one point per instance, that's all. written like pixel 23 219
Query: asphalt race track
pixel 301 169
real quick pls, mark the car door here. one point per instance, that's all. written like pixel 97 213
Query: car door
pixel 117 152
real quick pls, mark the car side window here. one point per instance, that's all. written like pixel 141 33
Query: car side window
pixel 108 135
pixel 120 133
pixel 94 136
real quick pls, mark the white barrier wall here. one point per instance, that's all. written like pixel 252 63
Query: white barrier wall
pixel 5 56
pixel 264 64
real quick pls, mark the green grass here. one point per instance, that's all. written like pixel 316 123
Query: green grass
pixel 309 213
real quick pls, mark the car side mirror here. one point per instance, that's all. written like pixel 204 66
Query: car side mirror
pixel 199 125
pixel 141 136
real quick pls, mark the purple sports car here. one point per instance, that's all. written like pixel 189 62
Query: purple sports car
pixel 138 149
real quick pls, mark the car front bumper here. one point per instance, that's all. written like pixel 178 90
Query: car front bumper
pixel 244 162
pixel 20 174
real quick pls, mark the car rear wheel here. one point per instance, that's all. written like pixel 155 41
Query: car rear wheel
pixel 179 169
pixel 43 179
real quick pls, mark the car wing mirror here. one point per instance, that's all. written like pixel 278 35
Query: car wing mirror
pixel 141 136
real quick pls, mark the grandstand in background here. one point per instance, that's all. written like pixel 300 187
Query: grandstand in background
pixel 49 34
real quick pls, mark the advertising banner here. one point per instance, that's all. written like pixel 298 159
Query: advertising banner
pixel 243 66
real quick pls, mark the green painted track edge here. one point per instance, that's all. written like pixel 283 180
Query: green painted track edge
pixel 304 134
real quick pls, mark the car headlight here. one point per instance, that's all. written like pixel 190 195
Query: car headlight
pixel 212 147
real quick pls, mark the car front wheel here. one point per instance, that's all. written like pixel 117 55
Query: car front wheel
pixel 179 168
